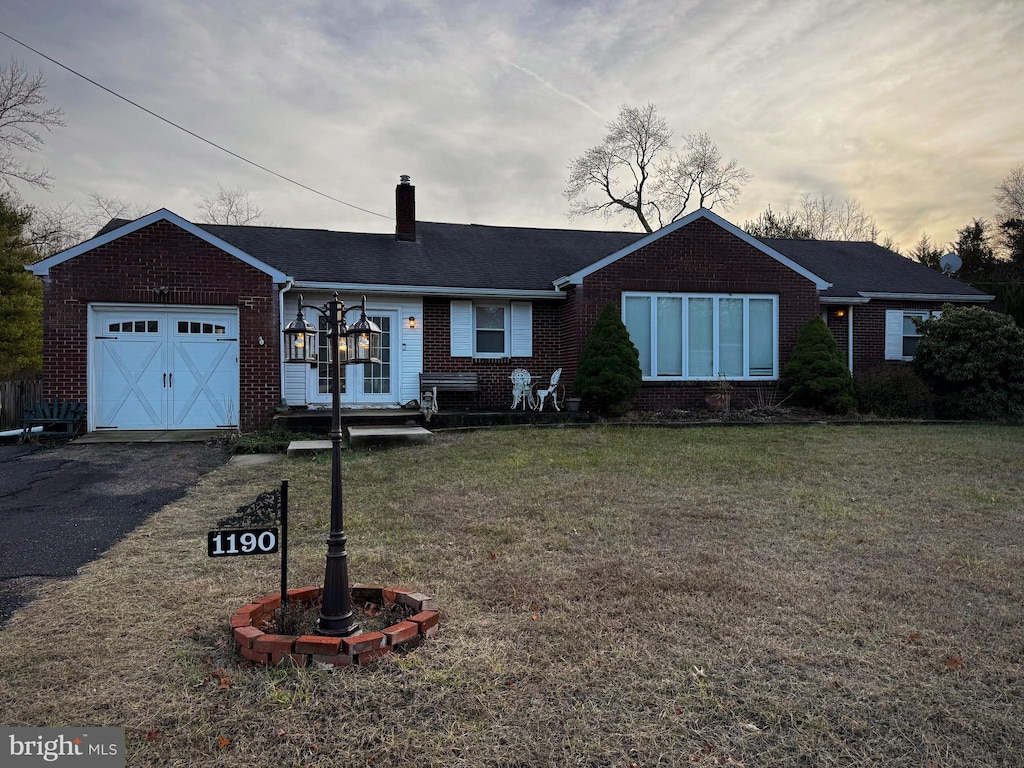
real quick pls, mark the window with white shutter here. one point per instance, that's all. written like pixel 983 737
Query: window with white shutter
pixel 491 329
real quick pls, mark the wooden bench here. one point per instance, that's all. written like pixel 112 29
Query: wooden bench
pixel 432 383
pixel 56 417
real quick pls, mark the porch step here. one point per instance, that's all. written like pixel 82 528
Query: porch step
pixel 319 420
pixel 300 447
pixel 359 435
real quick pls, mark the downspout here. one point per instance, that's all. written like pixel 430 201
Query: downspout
pixel 849 336
pixel 280 321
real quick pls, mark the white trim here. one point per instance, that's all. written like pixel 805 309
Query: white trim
pixel 576 278
pixel 420 290
pixel 926 296
pixel 843 300
pixel 42 268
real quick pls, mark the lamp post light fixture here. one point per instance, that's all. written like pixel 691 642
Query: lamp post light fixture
pixel 349 345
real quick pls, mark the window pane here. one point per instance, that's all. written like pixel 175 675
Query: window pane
pixel 670 337
pixel 151 326
pixel 140 326
pixel 182 326
pixel 490 342
pixel 910 345
pixel 638 323
pixel 909 327
pixel 701 338
pixel 762 338
pixel 730 337
pixel 490 318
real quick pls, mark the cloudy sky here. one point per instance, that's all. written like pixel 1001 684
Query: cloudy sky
pixel 912 107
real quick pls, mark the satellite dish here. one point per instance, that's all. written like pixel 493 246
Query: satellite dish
pixel 950 263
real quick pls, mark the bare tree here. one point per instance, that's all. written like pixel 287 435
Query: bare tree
pixel 102 209
pixel 229 206
pixel 1009 195
pixel 634 171
pixel 54 228
pixel 22 115
pixel 829 219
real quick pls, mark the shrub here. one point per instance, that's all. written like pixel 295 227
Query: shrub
pixel 894 391
pixel 816 373
pixel 608 373
pixel 973 360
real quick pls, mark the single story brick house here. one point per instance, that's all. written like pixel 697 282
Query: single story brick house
pixel 161 323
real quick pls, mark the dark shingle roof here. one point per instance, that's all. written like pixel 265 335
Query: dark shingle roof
pixel 521 258
pixel 855 267
pixel 444 255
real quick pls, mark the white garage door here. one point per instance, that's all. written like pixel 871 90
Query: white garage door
pixel 163 368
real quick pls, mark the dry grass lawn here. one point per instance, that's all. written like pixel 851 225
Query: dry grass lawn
pixel 772 596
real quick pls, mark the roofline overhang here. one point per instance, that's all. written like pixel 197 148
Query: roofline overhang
pixel 428 290
pixel 576 278
pixel 42 268
pixel 843 300
pixel 977 297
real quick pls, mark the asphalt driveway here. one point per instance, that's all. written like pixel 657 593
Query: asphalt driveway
pixel 62 507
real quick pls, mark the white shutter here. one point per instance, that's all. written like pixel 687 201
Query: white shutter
pixel 893 334
pixel 461 328
pixel 522 329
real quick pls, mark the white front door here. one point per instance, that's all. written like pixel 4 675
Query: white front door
pixel 368 385
pixel 163 368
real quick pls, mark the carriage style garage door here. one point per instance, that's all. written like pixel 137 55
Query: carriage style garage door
pixel 163 368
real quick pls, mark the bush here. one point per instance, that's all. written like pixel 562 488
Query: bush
pixel 608 374
pixel 894 391
pixel 816 373
pixel 973 360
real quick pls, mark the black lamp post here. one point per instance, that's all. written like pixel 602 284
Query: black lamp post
pixel 349 344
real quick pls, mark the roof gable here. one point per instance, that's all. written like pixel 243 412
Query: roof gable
pixel 576 278
pixel 107 235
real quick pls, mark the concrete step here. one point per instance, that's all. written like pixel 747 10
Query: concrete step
pixel 388 435
pixel 302 447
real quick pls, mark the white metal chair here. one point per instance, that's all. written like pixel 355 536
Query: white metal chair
pixel 552 390
pixel 522 390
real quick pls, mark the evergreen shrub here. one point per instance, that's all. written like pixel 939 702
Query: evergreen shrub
pixel 816 373
pixel 608 373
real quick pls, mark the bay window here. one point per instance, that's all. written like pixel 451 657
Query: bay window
pixel 703 336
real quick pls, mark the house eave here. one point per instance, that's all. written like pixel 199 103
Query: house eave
pixel 959 297
pixel 844 300
pixel 428 290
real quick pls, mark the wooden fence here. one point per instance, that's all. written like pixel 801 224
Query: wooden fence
pixel 14 396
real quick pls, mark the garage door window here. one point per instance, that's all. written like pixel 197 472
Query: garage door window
pixel 199 328
pixel 135 326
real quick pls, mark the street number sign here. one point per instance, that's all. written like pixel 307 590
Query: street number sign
pixel 241 541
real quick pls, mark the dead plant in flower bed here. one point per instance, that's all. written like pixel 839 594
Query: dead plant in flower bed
pixel 301 618
pixel 770 596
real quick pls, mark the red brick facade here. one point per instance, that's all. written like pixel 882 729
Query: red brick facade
pixel 131 270
pixel 493 374
pixel 869 329
pixel 698 258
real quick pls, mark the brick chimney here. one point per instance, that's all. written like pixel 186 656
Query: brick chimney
pixel 405 210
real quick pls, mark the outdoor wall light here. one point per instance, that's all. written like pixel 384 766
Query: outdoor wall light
pixel 412 322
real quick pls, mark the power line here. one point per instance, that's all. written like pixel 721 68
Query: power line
pixel 192 133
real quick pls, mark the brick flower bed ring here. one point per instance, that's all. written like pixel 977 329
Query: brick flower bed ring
pixel 360 649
